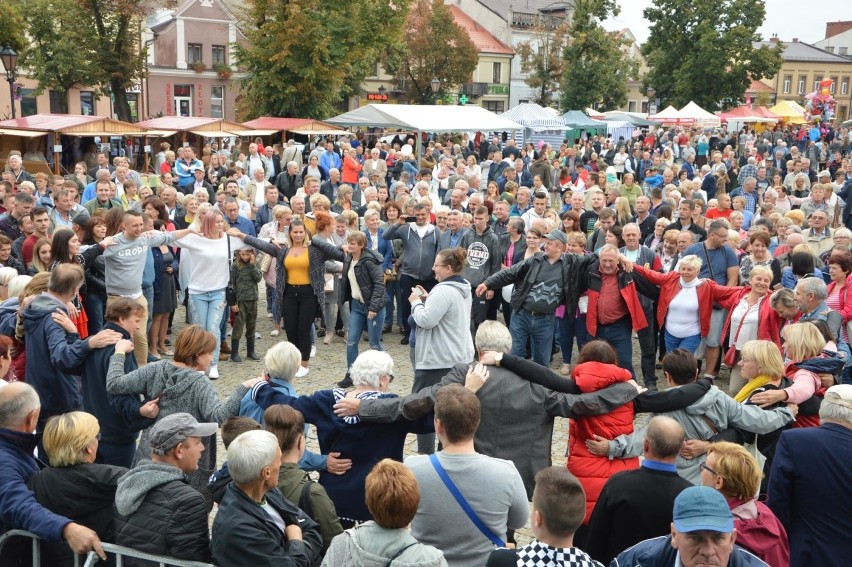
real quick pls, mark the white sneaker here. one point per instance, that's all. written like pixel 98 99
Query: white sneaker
pixel 228 334
pixel 213 373
pixel 256 335
pixel 269 315
pixel 275 332
pixel 313 351
pixel 302 371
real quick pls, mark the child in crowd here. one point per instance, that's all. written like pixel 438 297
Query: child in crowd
pixel 245 275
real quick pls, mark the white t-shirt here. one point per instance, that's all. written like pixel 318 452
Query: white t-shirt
pixel 682 320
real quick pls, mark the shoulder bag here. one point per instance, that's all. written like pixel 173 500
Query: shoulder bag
pixel 230 292
pixel 448 482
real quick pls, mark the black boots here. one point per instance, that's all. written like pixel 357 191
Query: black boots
pixel 250 354
pixel 235 350
pixel 346 382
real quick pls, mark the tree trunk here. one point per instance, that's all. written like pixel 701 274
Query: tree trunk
pixel 120 104
pixel 63 102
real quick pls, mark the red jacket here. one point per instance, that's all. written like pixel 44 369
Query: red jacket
pixel 628 292
pixel 845 305
pixel 769 324
pixel 591 470
pixel 764 535
pixel 708 291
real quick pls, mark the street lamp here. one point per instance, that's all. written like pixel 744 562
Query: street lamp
pixel 436 85
pixel 652 102
pixel 382 91
pixel 10 63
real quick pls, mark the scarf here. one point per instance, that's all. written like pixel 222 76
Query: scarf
pixel 687 285
pixel 745 393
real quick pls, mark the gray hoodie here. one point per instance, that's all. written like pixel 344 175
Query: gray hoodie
pixel 419 252
pixel 370 545
pixel 138 482
pixel 719 409
pixel 443 326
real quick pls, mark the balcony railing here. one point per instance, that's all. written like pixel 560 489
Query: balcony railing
pixel 474 89
pixel 531 20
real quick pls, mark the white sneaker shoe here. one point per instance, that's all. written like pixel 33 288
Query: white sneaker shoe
pixel 256 335
pixel 275 332
pixel 228 334
pixel 269 315
pixel 302 371
pixel 313 351
pixel 213 373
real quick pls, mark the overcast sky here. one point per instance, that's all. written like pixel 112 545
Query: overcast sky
pixel 781 18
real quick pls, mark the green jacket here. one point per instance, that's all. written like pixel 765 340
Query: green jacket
pixel 291 479
pixel 245 281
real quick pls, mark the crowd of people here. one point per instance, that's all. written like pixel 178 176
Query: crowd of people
pixel 704 252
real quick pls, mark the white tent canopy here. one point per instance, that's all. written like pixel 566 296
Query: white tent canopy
pixel 670 116
pixel 426 118
pixel 534 117
pixel 701 116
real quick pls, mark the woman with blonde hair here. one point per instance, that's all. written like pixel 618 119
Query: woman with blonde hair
pixel 623 212
pixel 74 486
pixel 344 199
pixel 279 230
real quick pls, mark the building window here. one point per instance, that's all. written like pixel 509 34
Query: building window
pixel 788 80
pixel 58 102
pixel 219 55
pixel 29 105
pixel 842 115
pixel 217 102
pixel 817 79
pixel 87 103
pixel 631 106
pixel 133 103
pixel 193 53
pixel 496 73
pixel 802 80
pixel 183 100
pixel 495 105
pixel 843 51
pixel 844 86
pixel 644 107
pixel 833 85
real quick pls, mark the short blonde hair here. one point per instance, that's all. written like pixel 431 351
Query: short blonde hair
pixel 766 355
pixel 493 335
pixel 66 437
pixel 740 471
pixel 282 360
pixel 803 341
pixel 691 261
pixel 762 271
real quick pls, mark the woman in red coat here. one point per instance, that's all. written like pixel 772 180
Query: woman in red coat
pixel 351 167
pixel 596 370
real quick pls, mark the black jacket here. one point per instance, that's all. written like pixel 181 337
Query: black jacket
pixel 13 262
pixel 83 493
pixel 95 277
pixel 165 516
pixel 287 186
pixel 368 274
pixel 243 534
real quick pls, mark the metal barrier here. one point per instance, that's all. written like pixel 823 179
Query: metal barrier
pixel 92 558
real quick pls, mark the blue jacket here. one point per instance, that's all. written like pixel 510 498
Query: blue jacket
pixel 54 356
pixel 118 415
pixel 658 552
pixel 18 506
pixel 310 461
pixel 809 493
pixel 385 248
pixel 9 316
pixel 242 223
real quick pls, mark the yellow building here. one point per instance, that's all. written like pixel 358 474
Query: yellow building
pixel 804 67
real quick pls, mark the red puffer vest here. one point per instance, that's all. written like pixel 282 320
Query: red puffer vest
pixel 593 471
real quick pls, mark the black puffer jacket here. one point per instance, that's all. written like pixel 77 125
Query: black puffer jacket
pixel 95 276
pixel 83 493
pixel 158 512
pixel 368 274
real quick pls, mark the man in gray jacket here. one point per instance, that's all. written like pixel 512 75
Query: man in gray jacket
pixel 483 260
pixel 420 245
pixel 703 419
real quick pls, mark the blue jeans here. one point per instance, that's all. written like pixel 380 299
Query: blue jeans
pixel 571 328
pixel 207 309
pixel 95 305
pixel 148 292
pixel 537 330
pixel 357 322
pixel 687 343
pixel 620 336
pixel 392 297
pixel 272 304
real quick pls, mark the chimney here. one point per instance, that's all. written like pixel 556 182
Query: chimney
pixel 795 40
pixel 774 38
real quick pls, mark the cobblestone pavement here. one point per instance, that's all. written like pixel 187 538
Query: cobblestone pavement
pixel 329 366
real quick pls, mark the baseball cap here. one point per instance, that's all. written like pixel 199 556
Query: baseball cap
pixel 557 235
pixel 702 508
pixel 840 395
pixel 177 428
pixel 82 218
pixel 824 173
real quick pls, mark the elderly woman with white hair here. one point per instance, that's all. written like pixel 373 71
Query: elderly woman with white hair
pixel 686 302
pixel 253 516
pixel 364 443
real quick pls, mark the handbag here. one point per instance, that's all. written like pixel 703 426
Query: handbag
pixel 329 282
pixel 731 354
pixel 448 482
pixel 230 292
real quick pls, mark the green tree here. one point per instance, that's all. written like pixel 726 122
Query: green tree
pixel 445 52
pixel 541 58
pixel 596 67
pixel 304 57
pixel 704 51
pixel 12 26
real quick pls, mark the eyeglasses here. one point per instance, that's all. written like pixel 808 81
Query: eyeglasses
pixel 702 466
pixel 720 235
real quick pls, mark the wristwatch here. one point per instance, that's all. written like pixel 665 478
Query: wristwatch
pixel 498 358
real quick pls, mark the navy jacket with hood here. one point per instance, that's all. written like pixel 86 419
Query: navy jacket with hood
pixel 54 358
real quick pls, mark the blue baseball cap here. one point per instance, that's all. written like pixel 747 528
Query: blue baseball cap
pixel 702 508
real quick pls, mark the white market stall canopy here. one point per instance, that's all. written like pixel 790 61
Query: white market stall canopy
pixel 671 116
pixel 426 118
pixel 535 117
pixel 699 115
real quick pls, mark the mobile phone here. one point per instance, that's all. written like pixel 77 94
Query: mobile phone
pixel 410 219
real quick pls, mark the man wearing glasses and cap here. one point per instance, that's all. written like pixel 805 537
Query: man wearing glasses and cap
pixel 702 534
pixel 158 512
